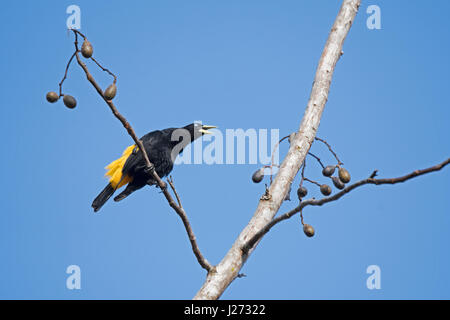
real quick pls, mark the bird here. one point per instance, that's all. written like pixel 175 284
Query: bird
pixel 162 148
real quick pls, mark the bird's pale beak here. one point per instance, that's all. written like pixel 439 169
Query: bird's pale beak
pixel 205 128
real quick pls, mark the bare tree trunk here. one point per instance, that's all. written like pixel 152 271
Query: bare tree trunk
pixel 220 276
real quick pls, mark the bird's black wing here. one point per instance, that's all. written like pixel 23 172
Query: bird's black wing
pixel 135 161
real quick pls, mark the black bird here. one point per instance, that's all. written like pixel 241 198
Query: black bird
pixel 162 147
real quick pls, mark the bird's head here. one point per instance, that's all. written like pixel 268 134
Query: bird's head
pixel 181 137
pixel 196 130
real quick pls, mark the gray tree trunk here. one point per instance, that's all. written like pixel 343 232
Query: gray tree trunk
pixel 220 277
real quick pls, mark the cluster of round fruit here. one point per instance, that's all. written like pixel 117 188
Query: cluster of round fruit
pixel 339 181
pixel 328 171
pixel 69 101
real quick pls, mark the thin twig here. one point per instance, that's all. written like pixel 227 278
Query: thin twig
pixel 317 158
pixel 65 74
pixel 150 167
pixel 78 32
pixel 301 218
pixel 374 174
pixel 273 153
pixel 303 172
pixel 331 150
pixel 104 69
pixel 170 181
pixel 313 202
pixel 201 260
pixel 312 181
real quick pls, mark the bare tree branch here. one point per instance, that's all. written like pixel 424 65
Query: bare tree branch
pixel 180 210
pixel 264 219
pixel 228 269
pixel 337 196
pixel 150 167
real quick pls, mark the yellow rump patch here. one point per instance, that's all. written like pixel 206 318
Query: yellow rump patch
pixel 115 169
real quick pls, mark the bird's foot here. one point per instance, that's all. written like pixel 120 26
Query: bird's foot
pixel 149 169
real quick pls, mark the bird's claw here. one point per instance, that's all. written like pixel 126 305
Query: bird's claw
pixel 149 169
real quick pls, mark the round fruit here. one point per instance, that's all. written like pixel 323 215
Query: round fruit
pixel 325 189
pixel 86 49
pixel 302 192
pixel 69 101
pixel 338 183
pixel 344 175
pixel 328 171
pixel 52 97
pixel 110 92
pixel 308 230
pixel 258 175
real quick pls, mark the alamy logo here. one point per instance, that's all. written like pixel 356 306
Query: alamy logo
pixel 374 20
pixel 374 280
pixel 74 20
pixel 74 280
pixel 236 146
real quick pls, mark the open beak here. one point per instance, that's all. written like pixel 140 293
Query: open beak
pixel 205 128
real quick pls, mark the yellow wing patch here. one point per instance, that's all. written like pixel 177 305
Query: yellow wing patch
pixel 115 169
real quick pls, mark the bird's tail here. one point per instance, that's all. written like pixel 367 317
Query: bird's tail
pixel 103 197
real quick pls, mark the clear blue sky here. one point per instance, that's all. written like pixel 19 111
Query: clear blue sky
pixel 235 64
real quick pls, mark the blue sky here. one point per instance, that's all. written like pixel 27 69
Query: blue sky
pixel 235 64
